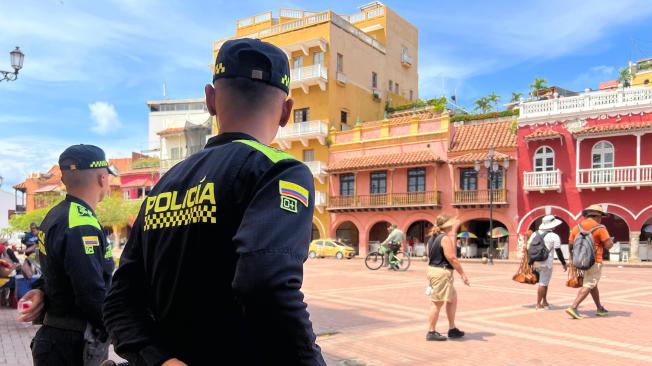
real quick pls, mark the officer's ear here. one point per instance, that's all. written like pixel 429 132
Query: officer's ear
pixel 286 112
pixel 210 99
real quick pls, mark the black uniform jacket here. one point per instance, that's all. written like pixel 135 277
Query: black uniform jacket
pixel 213 268
pixel 76 260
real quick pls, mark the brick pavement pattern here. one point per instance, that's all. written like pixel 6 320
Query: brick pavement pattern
pixel 379 318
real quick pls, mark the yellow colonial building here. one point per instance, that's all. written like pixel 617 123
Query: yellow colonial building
pixel 345 69
pixel 641 72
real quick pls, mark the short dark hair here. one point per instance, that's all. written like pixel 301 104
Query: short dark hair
pixel 248 93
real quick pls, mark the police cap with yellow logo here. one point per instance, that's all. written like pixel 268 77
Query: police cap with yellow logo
pixel 253 59
pixel 82 157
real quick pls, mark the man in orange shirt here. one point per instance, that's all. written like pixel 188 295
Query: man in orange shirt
pixel 592 217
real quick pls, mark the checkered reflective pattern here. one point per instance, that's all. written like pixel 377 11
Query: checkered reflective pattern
pixel 186 216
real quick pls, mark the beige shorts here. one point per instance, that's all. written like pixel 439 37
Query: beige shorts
pixel 592 276
pixel 441 281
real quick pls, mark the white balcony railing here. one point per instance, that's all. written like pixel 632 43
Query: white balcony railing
pixel 590 102
pixel 304 77
pixel 306 21
pixel 320 198
pixel 302 131
pixel 629 176
pixel 316 167
pixel 406 59
pixel 542 181
pixel 340 77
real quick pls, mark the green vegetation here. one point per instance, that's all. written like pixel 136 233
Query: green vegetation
pixel 539 85
pixel 438 104
pixel 146 163
pixel 475 117
pixel 624 76
pixel 488 103
pixel 115 212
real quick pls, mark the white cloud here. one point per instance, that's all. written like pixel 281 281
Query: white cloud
pixel 488 36
pixel 592 77
pixel 105 117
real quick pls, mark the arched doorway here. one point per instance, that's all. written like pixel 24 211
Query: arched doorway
pixel 617 227
pixel 418 231
pixel 646 232
pixel 478 239
pixel 379 232
pixel 315 232
pixel 562 230
pixel 348 234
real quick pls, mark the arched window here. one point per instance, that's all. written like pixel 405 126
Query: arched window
pixel 602 155
pixel 544 159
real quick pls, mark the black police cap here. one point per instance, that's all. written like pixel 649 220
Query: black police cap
pixel 81 157
pixel 253 59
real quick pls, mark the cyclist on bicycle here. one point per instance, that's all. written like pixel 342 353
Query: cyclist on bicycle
pixel 393 242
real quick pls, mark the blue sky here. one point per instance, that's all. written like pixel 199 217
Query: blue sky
pixel 90 66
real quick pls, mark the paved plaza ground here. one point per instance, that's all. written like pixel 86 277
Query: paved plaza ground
pixel 379 318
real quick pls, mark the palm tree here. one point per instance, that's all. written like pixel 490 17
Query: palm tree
pixel 493 99
pixel 483 104
pixel 516 97
pixel 624 76
pixel 538 85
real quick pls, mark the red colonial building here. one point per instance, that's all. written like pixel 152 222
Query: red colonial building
pixel 594 148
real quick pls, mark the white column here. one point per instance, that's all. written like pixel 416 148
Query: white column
pixel 638 157
pixel 577 162
pixel 633 246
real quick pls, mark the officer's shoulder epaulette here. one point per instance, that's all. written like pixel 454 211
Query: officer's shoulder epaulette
pixel 79 215
pixel 275 155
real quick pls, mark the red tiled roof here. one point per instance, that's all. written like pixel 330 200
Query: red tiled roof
pixel 20 186
pixel 122 164
pixel 136 183
pixel 408 115
pixel 148 170
pixel 607 128
pixel 383 161
pixel 478 156
pixel 170 131
pixel 482 136
pixel 48 188
pixel 542 135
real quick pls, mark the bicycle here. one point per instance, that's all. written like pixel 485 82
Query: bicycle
pixel 375 260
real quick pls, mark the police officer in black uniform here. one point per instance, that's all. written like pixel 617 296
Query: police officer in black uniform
pixel 77 264
pixel 212 271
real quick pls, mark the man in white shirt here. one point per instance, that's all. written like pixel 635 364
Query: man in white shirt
pixel 544 268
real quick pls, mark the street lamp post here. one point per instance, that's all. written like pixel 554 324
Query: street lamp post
pixel 492 165
pixel 17 57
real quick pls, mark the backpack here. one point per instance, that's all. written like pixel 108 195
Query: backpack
pixel 584 248
pixel 538 251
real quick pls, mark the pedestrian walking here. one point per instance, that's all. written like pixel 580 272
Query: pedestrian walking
pixel 219 243
pixel 77 264
pixel 544 242
pixel 592 229
pixel 442 261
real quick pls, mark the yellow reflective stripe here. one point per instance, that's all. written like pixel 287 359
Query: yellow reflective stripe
pixel 79 215
pixel 272 154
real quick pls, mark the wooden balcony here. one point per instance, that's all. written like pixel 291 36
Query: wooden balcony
pixel 480 198
pixel 385 201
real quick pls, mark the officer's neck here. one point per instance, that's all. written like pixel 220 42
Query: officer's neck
pixel 90 198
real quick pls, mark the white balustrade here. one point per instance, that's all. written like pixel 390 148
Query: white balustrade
pixel 542 181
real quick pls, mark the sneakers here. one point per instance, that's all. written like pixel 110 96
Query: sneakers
pixel 455 333
pixel 602 311
pixel 573 313
pixel 435 336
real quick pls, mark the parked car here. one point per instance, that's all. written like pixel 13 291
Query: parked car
pixel 330 248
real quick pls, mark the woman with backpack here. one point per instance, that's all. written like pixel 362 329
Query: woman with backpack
pixel 540 254
pixel 442 262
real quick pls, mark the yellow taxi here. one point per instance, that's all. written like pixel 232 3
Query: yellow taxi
pixel 330 248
